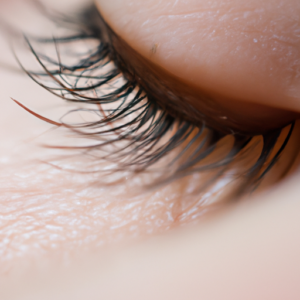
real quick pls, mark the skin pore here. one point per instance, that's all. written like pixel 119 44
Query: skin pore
pixel 249 251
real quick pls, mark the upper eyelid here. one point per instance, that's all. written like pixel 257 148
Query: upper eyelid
pixel 154 134
pixel 188 102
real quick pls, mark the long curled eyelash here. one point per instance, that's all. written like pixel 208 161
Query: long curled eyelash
pixel 133 130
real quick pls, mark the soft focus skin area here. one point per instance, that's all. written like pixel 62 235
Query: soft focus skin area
pixel 63 237
pixel 234 50
pixel 251 252
pixel 46 211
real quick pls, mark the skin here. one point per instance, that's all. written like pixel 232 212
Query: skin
pixel 54 222
pixel 246 51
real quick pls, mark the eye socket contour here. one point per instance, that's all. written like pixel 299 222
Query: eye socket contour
pixel 234 53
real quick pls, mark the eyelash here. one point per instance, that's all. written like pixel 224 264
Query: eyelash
pixel 151 133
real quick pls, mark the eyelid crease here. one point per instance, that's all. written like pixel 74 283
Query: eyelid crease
pixel 141 129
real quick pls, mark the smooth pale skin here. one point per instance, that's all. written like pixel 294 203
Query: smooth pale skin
pixel 235 50
pixel 249 251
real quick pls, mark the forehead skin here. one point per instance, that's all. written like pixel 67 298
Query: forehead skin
pixel 240 50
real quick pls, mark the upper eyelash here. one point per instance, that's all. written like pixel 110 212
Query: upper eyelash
pixel 145 145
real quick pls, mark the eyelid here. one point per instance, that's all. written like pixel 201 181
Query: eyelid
pixel 145 146
pixel 187 102
pixel 247 51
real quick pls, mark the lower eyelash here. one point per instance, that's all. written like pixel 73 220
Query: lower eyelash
pixel 131 122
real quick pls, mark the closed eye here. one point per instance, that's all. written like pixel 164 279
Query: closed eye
pixel 144 123
pixel 128 139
